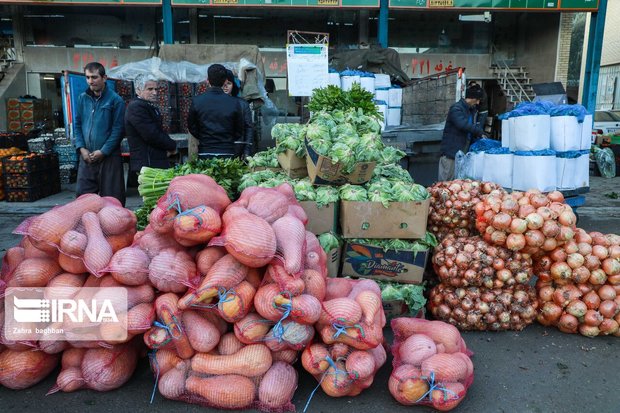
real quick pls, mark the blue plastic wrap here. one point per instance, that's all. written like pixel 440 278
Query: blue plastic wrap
pixel 544 152
pixel 498 151
pixel 367 74
pixel 531 108
pixel 332 70
pixel 578 111
pixel 569 154
pixel 350 72
pixel 484 144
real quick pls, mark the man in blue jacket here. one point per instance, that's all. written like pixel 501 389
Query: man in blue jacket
pixel 460 131
pixel 215 118
pixel 149 144
pixel 98 125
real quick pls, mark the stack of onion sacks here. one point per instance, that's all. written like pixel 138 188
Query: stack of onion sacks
pixel 525 221
pixel 579 285
pixel 432 365
pixel 452 206
pixel 483 286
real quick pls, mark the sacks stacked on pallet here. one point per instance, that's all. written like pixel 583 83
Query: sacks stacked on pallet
pixel 262 274
pixel 350 327
pixel 68 250
pixel 432 364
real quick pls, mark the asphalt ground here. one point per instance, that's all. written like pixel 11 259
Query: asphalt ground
pixel 537 370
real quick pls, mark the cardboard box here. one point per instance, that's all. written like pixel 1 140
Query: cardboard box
pixel 367 261
pixel 398 308
pixel 293 166
pixel 404 220
pixel 334 258
pixel 322 171
pixel 321 219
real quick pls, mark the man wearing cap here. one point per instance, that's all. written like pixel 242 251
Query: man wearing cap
pixel 460 131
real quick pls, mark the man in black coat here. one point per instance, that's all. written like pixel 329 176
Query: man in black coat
pixel 149 145
pixel 215 118
pixel 243 149
pixel 460 131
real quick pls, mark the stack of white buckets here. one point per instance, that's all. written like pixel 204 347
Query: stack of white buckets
pixel 388 98
pixel 544 153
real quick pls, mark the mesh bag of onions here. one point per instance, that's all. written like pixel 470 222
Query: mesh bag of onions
pixel 452 206
pixel 471 261
pixel 579 285
pixel 432 365
pixel 529 222
pixel 479 308
pixel 82 235
pixel 352 314
pixel 342 370
pixel 20 369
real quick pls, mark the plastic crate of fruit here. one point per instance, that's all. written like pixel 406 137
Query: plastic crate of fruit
pixel 22 164
pixel 25 194
pixel 41 144
pixel 14 181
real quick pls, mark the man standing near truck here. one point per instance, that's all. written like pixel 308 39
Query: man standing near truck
pixel 460 131
pixel 98 126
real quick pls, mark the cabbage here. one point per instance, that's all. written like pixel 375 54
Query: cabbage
pixel 290 136
pixel 265 159
pixel 257 178
pixel 411 294
pixel 391 154
pixel 392 172
pixel 350 192
pixel 329 241
pixel 341 153
pixel 326 194
pixel 304 191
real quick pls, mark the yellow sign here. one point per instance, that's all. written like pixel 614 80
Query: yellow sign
pixel 441 3
pixel 328 2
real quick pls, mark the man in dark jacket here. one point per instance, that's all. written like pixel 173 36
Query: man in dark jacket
pixel 98 127
pixel 243 149
pixel 149 145
pixel 460 131
pixel 215 118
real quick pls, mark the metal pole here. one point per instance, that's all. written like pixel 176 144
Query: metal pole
pixel 166 11
pixel 382 30
pixel 593 57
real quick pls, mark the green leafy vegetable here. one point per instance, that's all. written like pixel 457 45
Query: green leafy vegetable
pixel 265 159
pixel 329 241
pixel 350 192
pixel 411 294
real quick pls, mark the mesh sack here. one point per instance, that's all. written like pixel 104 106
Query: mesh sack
pixel 354 315
pixel 471 261
pixel 342 370
pixel 172 270
pixel 23 369
pixel 86 232
pixel 190 191
pixel 99 369
pixel 432 365
pixel 247 378
pixel 484 309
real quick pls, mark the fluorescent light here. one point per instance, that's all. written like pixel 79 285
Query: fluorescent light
pixel 238 17
pixel 49 77
pixel 47 16
pixel 183 22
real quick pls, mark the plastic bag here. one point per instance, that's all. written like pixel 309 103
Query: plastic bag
pixel 578 111
pixel 484 144
pixel 606 162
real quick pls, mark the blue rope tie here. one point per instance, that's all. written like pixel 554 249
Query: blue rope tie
pixel 153 360
pixel 278 328
pixel 171 330
pixel 194 212
pixel 222 295
pixel 341 328
pixel 175 203
pixel 325 373
pixel 434 386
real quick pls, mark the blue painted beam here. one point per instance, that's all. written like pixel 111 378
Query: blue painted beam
pixel 593 57
pixel 166 11
pixel 382 30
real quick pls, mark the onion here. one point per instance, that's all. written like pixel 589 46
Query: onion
pixel 611 266
pixel 555 196
pixel 600 251
pixel 608 308
pixel 568 323
pixel 589 331
pixel 566 233
pixel 525 210
pixel 593 318
pixel 575 260
pixel 549 245
pixel 580 275
pixel 560 271
pixel 582 236
pixel 577 308
pixel 545 293
pixel 614 252
pixel 534 238
pixel 599 239
pixel 592 300
pixel 597 277
pixel 515 242
pixel 607 292
pixel 567 218
pixel 550 228
pixel 551 312
pixel 510 206
pixel 592 262
pixel 584 248
pixel 534 221
pixel 608 326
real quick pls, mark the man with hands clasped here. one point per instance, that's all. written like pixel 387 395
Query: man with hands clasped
pixel 98 127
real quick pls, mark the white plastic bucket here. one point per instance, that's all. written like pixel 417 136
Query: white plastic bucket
pixel 565 133
pixel 382 94
pixel 534 172
pixel 498 169
pixel 395 98
pixel 586 133
pixel 506 133
pixel 531 133
pixel 368 83
pixel 382 108
pixel 382 81
pixel 347 81
pixel 333 79
pixel 393 117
